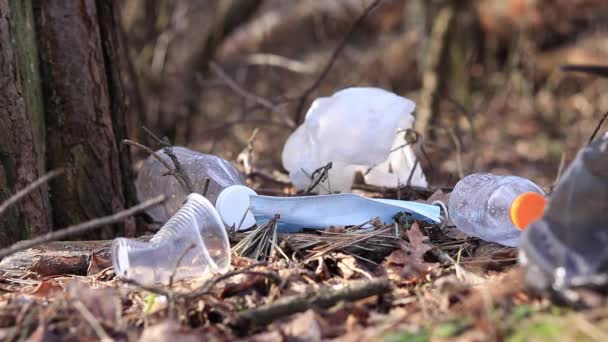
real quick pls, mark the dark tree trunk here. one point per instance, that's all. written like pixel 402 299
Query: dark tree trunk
pixel 85 109
pixel 22 152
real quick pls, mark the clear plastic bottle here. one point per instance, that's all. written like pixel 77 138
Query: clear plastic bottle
pixel 193 243
pixel 495 208
pixel 152 180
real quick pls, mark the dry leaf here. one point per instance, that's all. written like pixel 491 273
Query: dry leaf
pixel 322 272
pixel 97 264
pixel 407 264
pixel 303 327
pixel 103 303
pixel 168 331
pixel 46 288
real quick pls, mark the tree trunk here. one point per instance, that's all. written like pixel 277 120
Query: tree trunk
pixel 85 110
pixel 22 149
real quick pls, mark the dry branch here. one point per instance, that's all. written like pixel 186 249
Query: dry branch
pixel 232 84
pixel 59 257
pixel 82 227
pixel 324 298
pixel 332 60
pixel 33 186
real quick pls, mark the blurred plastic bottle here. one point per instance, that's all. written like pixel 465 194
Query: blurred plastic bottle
pixel 495 208
pixel 567 247
pixel 153 180
pixel 193 243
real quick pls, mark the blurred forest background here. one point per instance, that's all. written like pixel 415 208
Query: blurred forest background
pixel 485 74
pixel 79 77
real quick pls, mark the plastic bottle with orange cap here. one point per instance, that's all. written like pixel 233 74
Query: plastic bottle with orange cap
pixel 495 208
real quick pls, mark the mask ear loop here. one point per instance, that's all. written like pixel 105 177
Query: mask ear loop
pixel 446 215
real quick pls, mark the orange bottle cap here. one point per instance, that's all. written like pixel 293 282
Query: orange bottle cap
pixel 527 208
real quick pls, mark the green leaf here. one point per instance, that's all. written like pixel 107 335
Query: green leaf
pixel 450 329
pixel 422 335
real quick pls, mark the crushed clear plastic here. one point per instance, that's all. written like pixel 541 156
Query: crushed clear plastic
pixel 193 243
pixel 356 129
pixel 479 206
pixel 152 180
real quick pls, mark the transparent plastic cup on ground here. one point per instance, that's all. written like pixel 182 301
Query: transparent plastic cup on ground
pixel 495 208
pixel 193 243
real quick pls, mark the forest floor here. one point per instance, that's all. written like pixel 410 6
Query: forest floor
pixel 404 282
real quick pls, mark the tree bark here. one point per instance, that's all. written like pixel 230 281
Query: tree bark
pixel 85 110
pixel 22 148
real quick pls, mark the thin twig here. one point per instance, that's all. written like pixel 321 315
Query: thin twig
pixel 599 70
pixel 206 187
pixel 168 150
pixel 318 176
pixel 560 170
pixel 323 298
pixel 93 322
pixel 232 84
pixel 81 227
pixel 178 263
pixel 458 147
pixel 170 170
pixel 597 128
pixel 159 290
pixel 205 289
pixel 332 60
pixel 246 156
pixel 31 187
pixel 267 59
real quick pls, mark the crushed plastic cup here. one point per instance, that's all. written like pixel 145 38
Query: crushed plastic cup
pixel 193 243
pixel 153 180
pixel 358 130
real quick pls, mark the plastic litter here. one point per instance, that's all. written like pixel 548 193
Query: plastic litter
pixel 356 129
pixel 193 243
pixel 320 212
pixel 153 180
pixel 567 247
pixel 495 208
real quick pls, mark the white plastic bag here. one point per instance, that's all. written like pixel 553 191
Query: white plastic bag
pixel 355 129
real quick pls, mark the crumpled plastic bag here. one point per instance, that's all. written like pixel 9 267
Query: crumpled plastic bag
pixel 356 129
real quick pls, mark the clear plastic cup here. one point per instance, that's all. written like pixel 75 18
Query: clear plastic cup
pixel 152 180
pixel 193 243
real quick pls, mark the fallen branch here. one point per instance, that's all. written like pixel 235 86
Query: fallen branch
pixel 58 258
pixel 324 298
pixel 33 186
pixel 81 227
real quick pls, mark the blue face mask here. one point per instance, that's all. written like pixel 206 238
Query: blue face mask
pixel 324 211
